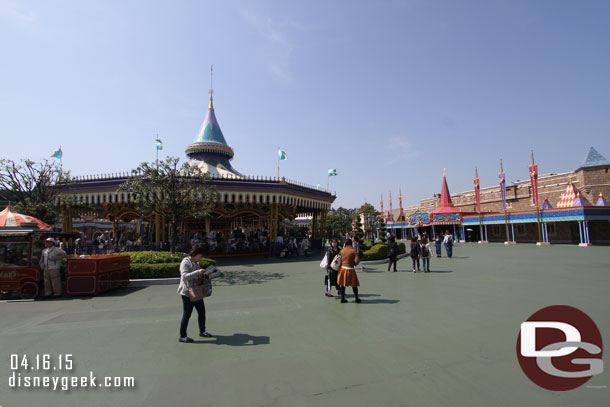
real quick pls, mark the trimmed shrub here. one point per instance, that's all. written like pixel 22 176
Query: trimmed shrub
pixel 402 248
pixel 157 264
pixel 151 257
pixel 365 245
pixel 377 252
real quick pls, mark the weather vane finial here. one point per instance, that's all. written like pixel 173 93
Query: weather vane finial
pixel 501 166
pixel 211 106
pixel 444 172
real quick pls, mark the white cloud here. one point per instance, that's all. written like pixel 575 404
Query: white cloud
pixel 400 148
pixel 11 10
pixel 276 48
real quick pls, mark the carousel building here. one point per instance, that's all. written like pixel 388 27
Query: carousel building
pixel 250 203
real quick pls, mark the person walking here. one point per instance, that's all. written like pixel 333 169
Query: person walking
pixel 426 254
pixel 438 240
pixel 415 253
pixel 330 280
pixel 448 242
pixel 192 274
pixel 392 253
pixel 347 274
pixel 50 264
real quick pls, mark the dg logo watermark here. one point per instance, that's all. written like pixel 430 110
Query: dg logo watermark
pixel 560 348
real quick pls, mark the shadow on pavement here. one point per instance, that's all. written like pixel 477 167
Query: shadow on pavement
pixel 244 277
pixel 237 340
pixel 118 292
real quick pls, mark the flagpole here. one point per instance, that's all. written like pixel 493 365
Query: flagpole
pixel 328 182
pixel 157 153
pixel 61 164
pixel 278 163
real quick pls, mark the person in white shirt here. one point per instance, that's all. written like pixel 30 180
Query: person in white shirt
pixel 50 263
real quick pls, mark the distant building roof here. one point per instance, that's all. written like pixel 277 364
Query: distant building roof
pixel 594 159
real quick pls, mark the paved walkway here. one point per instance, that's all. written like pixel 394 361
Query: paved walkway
pixel 446 338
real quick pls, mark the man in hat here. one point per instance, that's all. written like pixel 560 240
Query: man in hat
pixel 50 263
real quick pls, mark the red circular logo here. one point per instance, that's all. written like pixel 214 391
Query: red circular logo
pixel 560 348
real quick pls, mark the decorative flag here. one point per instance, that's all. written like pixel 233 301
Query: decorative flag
pixel 58 153
pixel 400 215
pixel 502 179
pixel 159 144
pixel 332 172
pixel 477 189
pixel 533 170
pixel 281 154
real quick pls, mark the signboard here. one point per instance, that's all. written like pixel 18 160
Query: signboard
pixel 419 217
pixel 447 218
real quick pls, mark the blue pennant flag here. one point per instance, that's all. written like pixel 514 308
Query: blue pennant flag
pixel 332 172
pixel 159 144
pixel 58 153
pixel 282 155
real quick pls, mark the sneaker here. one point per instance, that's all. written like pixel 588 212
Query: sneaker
pixel 358 300
pixel 343 301
pixel 206 335
pixel 414 271
pixel 186 339
pixel 328 295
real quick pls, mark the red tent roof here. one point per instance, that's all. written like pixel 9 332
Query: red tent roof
pixel 10 218
pixel 446 206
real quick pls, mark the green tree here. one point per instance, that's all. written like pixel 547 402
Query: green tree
pixel 358 228
pixel 339 221
pixel 173 191
pixel 34 187
pixel 382 229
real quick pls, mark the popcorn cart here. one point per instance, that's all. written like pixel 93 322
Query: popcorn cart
pixel 20 250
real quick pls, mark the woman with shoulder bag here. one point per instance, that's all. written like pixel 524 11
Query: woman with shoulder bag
pixel 330 280
pixel 415 253
pixel 191 280
pixel 347 275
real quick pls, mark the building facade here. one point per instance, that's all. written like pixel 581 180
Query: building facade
pixel 571 209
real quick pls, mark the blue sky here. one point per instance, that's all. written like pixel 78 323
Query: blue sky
pixel 387 92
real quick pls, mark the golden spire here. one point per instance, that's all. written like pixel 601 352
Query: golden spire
pixel 211 106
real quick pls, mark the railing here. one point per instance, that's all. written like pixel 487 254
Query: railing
pixel 249 178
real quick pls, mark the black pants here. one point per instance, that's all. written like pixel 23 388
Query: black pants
pixel 187 310
pixel 392 261
pixel 415 261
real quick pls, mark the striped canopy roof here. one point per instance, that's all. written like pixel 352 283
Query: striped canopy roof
pixel 10 218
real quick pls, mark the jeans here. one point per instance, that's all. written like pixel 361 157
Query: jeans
pixel 449 250
pixel 187 310
pixel 426 263
pixel 438 249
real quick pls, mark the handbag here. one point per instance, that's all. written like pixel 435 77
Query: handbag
pixel 324 262
pixel 200 291
pixel 336 264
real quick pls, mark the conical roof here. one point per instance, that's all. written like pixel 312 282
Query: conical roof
pixel 210 138
pixel 210 151
pixel 594 159
pixel 546 205
pixel 446 205
pixel 601 201
pixel 571 197
pixel 580 201
pixel 10 218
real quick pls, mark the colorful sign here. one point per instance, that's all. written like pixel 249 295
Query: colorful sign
pixel 419 217
pixel 446 217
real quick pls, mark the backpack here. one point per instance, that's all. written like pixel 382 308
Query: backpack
pixel 414 251
pixel 424 251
